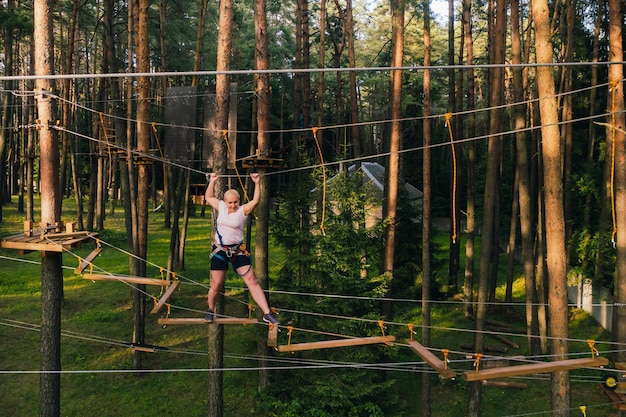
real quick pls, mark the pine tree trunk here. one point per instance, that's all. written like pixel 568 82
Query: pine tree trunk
pixel 51 263
pixel 470 209
pixel 262 90
pixel 616 95
pixel 426 208
pixel 554 214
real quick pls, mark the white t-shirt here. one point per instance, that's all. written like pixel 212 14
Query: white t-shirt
pixel 229 225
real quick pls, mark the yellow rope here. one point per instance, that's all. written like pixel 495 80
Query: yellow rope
pixel 449 125
pixel 232 156
pixel 156 138
pixel 319 149
pixel 106 138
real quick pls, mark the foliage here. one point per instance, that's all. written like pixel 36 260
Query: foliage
pixel 340 258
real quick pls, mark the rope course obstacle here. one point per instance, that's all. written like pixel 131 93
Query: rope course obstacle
pixel 50 238
pixel 46 238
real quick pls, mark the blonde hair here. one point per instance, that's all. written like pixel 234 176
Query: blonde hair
pixel 232 192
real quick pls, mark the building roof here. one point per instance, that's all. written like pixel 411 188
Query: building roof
pixel 375 173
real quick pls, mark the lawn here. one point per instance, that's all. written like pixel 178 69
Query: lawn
pixel 97 329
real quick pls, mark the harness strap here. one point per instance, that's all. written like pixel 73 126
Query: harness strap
pixel 230 250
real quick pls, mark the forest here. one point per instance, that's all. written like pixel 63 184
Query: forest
pixel 470 158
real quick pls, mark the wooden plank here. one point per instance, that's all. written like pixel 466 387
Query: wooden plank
pixel 130 280
pixel 327 344
pixel 217 320
pixel 85 262
pixel 436 363
pixel 161 303
pixel 618 400
pixel 534 368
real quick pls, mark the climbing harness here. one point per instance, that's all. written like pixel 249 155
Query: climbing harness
pixel 231 251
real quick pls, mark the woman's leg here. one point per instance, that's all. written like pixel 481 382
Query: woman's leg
pixel 255 289
pixel 217 284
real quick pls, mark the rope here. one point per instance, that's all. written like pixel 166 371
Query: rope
pixel 454 166
pixel 108 143
pixel 232 156
pixel 319 150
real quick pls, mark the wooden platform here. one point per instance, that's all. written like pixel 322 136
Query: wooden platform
pixel 262 161
pixel 357 341
pixel 46 239
pixel 535 368
pixel 436 363
pixel 48 242
pixel 217 320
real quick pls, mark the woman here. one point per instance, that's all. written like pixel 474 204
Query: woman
pixel 229 224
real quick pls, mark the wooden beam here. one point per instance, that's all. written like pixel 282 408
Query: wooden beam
pixel 130 280
pixel 85 262
pixel 337 343
pixel 535 368
pixel 216 320
pixel 618 400
pixel 436 363
pixel 161 303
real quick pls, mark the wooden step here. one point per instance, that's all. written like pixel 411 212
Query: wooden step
pixel 128 279
pixel 217 320
pixel 535 368
pixel 161 303
pixel 328 344
pixel 436 363
pixel 88 260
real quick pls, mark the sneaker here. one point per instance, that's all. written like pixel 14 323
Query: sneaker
pixel 271 318
pixel 209 316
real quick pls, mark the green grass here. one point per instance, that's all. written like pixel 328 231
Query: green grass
pixel 97 328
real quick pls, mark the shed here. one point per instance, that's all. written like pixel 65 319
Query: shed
pixel 374 177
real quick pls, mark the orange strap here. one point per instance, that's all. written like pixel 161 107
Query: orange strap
pixel 445 358
pixel 381 324
pixel 477 358
pixel 411 331
pixel 594 351
pixel 250 310
pixel 289 332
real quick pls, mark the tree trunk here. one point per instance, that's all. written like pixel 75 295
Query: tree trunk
pixel 470 209
pixel 426 207
pixel 491 186
pixel 51 263
pixel 354 103
pixel 617 122
pixel 553 195
pixel 455 242
pixel 262 90
pixel 143 190
pixel 522 170
pixel 395 140
pixel 218 163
